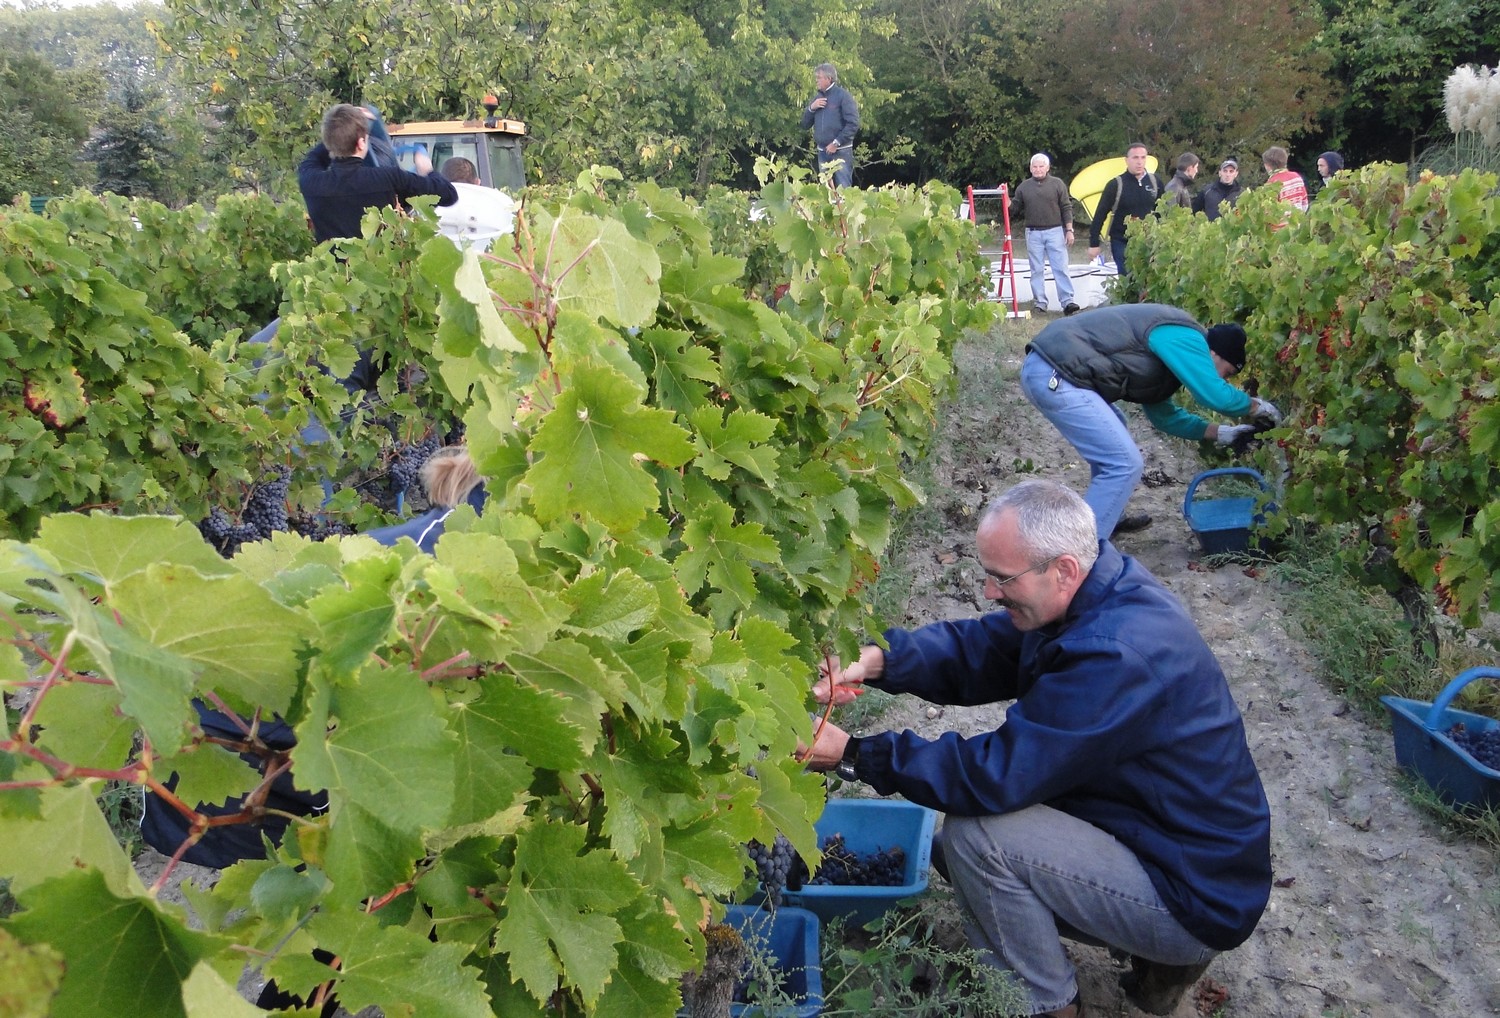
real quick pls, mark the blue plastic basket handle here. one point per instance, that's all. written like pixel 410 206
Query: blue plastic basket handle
pixel 1187 500
pixel 1434 716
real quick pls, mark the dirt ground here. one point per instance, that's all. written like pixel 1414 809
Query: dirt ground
pixel 1373 913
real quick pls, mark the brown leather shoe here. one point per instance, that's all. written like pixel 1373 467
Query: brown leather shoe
pixel 1157 988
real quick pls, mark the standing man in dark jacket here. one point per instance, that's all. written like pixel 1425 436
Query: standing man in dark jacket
pixel 1224 191
pixel 1180 187
pixel 338 185
pixel 1117 802
pixel 834 119
pixel 1131 195
pixel 1077 368
pixel 1042 201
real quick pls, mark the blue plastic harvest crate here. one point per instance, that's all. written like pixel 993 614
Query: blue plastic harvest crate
pixel 1424 748
pixel 1223 524
pixel 790 935
pixel 868 826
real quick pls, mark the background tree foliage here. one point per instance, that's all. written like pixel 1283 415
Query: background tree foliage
pixel 688 92
pixel 43 124
pixel 1218 80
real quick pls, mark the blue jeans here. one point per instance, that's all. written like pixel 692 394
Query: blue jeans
pixel 844 175
pixel 1093 427
pixel 1117 248
pixel 1025 879
pixel 1043 246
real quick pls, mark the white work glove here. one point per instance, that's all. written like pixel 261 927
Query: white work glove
pixel 1229 433
pixel 1264 408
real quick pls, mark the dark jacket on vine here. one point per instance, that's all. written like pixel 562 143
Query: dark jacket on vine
pixel 1122 718
pixel 1137 197
pixel 338 190
pixel 838 120
pixel 1216 194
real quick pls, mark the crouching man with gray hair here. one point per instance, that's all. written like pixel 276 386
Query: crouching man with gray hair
pixel 1117 803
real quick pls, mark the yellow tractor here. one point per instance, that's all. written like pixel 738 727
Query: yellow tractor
pixel 493 145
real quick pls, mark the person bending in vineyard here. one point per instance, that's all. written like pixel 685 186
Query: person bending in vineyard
pixel 1077 368
pixel 451 480
pixel 1117 803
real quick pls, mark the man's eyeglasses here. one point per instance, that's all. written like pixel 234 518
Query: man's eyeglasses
pixel 1001 581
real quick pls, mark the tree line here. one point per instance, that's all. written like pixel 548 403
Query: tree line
pixel 190 98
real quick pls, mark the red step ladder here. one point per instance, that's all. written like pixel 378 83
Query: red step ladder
pixel 1007 256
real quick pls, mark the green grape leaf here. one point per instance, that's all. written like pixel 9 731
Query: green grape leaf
pixel 155 683
pixel 124 955
pixel 682 371
pixel 591 446
pixel 282 894
pixel 230 626
pixel 478 577
pixel 356 619
pixel 69 834
pixel 207 773
pixel 82 724
pixel 572 669
pixel 114 547
pixel 724 554
pixel 530 722
pixel 470 283
pixel 613 606
pixel 206 994
pixel 633 992
pixel 398 970
pixel 558 912
pixel 736 441
pixel 599 269
pixel 382 743
pixel 367 854
pixel 33 973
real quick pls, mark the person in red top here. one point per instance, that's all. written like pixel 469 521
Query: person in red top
pixel 1292 187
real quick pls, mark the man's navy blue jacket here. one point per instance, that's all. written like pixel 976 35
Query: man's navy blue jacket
pixel 338 190
pixel 1122 718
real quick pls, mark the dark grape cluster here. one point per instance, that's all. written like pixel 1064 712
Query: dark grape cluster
pixel 264 514
pixel 317 528
pixel 776 867
pixel 844 866
pixel 407 460
pixel 1483 746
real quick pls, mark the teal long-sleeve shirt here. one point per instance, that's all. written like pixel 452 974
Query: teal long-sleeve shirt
pixel 1185 353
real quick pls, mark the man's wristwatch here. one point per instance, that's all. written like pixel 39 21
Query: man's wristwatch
pixel 849 762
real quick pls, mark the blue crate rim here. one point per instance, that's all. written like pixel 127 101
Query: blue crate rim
pixel 1192 488
pixel 864 902
pixel 1433 722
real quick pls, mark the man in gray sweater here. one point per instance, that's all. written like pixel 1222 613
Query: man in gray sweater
pixel 1042 201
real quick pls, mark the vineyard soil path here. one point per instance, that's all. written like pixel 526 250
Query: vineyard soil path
pixel 1374 913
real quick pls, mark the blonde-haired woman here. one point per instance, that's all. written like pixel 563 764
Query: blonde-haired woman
pixel 451 480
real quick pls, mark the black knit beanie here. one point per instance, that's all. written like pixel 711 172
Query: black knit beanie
pixel 1228 341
